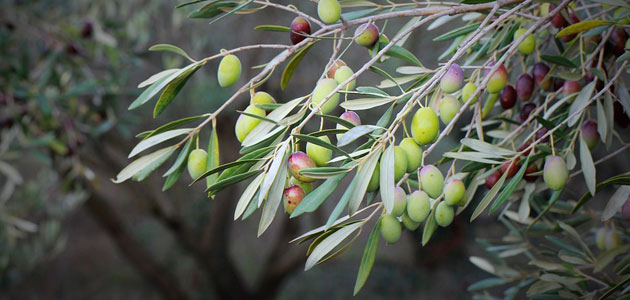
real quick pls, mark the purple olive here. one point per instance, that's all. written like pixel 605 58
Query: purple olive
pixel 540 133
pixel 526 110
pixel 530 169
pixel 540 76
pixel 618 40
pixel 558 20
pixel 299 28
pixel 590 134
pixel 453 79
pixel 524 87
pixel 299 161
pixel 508 97
pixel 492 179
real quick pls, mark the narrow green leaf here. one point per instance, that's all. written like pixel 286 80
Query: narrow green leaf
pixel 485 147
pixel 222 183
pixel 582 26
pixel 387 183
pixel 156 139
pixel 189 3
pixel 315 198
pixel 488 197
pixel 616 202
pixel 588 167
pixel 369 255
pixel 472 156
pixel 558 60
pixel 341 204
pixel 181 158
pixel 293 64
pixel 355 133
pixel 401 53
pixel 582 98
pixel 213 155
pixel 365 175
pixel 211 9
pixel 457 32
pixel 319 142
pixel 487 283
pixel 171 48
pixel 155 77
pixel 329 244
pixel 274 197
pixel 156 87
pixel 272 28
pixel 509 188
pixel 555 195
pixel 618 179
pixel 365 103
pixel 140 163
pixel 144 173
pixel 278 161
pixel 429 226
pixel 241 6
pixel 171 90
pixel 171 125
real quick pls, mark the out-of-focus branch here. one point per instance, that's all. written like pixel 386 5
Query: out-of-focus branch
pixel 130 248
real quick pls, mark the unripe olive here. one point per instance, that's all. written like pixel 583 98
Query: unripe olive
pixel 400 202
pixel 488 105
pixel 424 126
pixel 492 179
pixel 299 28
pixel 245 124
pixel 528 45
pixel 307 187
pixel 612 240
pixel 418 206
pixel 323 88
pixel 413 152
pixel 197 160
pixel 366 35
pixel 540 76
pixel 292 196
pixel 229 70
pixel 375 180
pixel 453 79
pixel 510 167
pixel 328 11
pixel 390 229
pixel 344 73
pixel 449 106
pixel 600 238
pixel 432 180
pixel 555 172
pixel 320 155
pixel 524 86
pixel 498 79
pixel 262 98
pixel 400 163
pixel 338 64
pixel 444 214
pixel 381 39
pixel 351 117
pixel 468 91
pixel 299 161
pixel 590 134
pixel 409 223
pixel 530 169
pixel 571 87
pixel 507 97
pixel 454 191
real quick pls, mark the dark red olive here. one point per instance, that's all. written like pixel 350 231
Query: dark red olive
pixel 618 40
pixel 508 97
pixel 540 76
pixel 525 146
pixel 510 167
pixel 524 87
pixel 492 179
pixel 299 28
pixel 558 83
pixel 540 133
pixel 558 20
pixel 530 169
pixel 86 30
pixel 526 110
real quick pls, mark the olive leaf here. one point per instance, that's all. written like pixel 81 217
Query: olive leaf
pixel 387 183
pixel 155 77
pixel 139 164
pixel 274 197
pixel 171 48
pixel 588 167
pixel 156 139
pixel 488 197
pixel 365 175
pixel 365 103
pixel 157 86
pixel 355 133
pixel 315 198
pixel 369 255
pixel 582 26
pixel 273 28
pixel 341 204
pixel 616 202
pixel 580 101
pixel 275 169
pixel 329 244
pixel 293 64
pixel 213 160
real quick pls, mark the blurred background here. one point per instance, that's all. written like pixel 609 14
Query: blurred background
pixel 68 72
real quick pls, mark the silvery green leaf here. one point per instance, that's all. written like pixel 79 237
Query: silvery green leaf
pixel 588 168
pixel 483 264
pixel 355 133
pixel 388 83
pixel 488 197
pixel 616 202
pixel 602 123
pixel 156 139
pixel 441 21
pixel 387 183
pixel 273 171
pixel 524 208
pixel 264 127
pixel 609 109
pixel 571 161
pixel 624 97
pixel 156 77
pixel 365 174
pixel 275 195
pixel 486 147
pixel 365 103
pixel 471 190
pixel 412 70
pixel 247 195
pixel 140 163
pixel 330 243
pixel 579 102
pixel 472 156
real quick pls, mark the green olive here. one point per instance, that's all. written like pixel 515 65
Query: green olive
pixel 390 229
pixel 197 160
pixel 229 70
pixel 320 155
